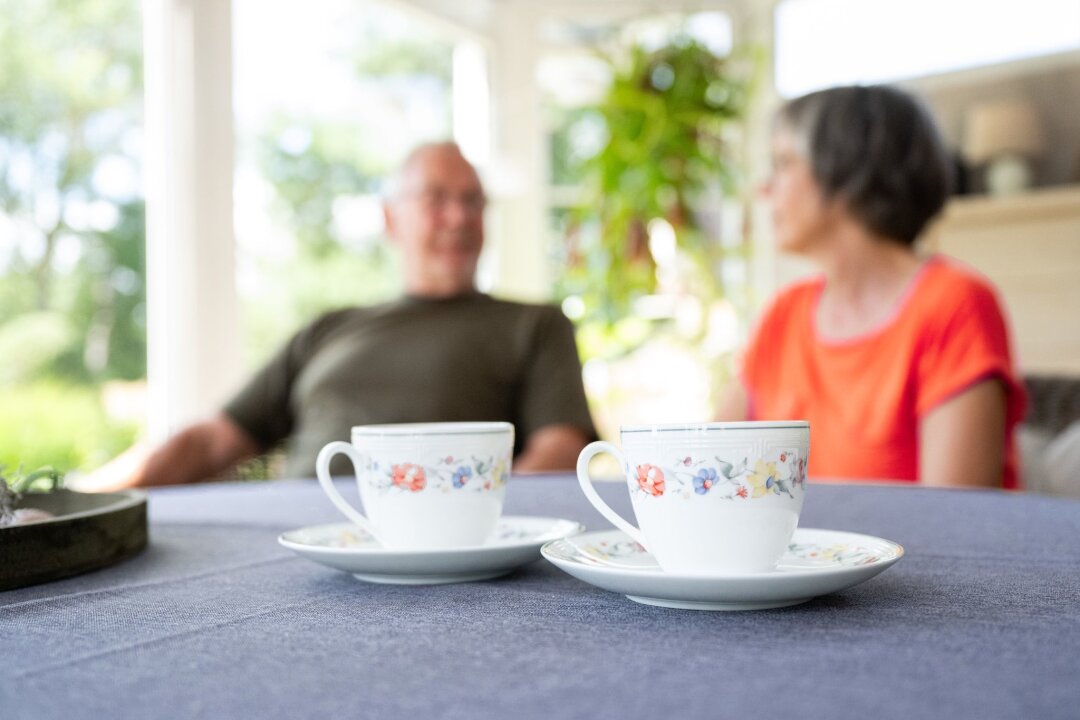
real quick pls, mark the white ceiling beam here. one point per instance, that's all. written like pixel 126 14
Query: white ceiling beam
pixel 468 20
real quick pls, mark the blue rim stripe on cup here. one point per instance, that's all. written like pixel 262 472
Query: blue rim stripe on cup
pixel 434 429
pixel 719 426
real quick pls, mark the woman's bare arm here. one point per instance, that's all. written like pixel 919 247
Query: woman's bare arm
pixel 962 441
pixel 734 405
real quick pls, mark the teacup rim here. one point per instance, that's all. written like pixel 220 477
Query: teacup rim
pixel 434 429
pixel 717 426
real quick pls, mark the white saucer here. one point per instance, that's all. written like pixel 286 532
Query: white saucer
pixel 343 546
pixel 817 562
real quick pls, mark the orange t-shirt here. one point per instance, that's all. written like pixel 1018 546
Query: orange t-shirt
pixel 864 396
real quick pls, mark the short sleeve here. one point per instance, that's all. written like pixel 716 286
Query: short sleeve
pixel 552 392
pixel 964 346
pixel 263 406
pixel 761 359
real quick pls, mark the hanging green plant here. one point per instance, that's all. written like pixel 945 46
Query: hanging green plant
pixel 671 122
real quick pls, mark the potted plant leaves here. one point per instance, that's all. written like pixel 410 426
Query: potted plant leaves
pixel 12 489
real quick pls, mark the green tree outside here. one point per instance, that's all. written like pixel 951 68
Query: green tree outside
pixel 72 266
pixel 72 233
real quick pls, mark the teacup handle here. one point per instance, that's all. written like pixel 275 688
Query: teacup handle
pixel 590 451
pixel 322 470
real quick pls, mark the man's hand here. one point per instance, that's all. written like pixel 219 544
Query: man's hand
pixel 552 447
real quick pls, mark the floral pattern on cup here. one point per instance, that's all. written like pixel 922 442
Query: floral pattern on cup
pixel 651 479
pixel 689 477
pixel 408 476
pixel 462 475
pixel 447 474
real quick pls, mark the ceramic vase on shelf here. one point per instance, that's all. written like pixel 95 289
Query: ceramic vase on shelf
pixel 1004 137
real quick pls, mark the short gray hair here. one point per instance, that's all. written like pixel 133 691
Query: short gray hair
pixel 877 149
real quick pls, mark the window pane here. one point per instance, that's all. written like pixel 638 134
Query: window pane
pixel 72 270
pixel 820 43
pixel 329 97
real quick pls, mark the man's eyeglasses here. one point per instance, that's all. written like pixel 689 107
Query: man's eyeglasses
pixel 438 200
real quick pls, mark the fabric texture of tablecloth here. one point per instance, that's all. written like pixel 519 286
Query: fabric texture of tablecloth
pixel 980 619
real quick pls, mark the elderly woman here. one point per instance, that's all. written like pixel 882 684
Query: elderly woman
pixel 900 362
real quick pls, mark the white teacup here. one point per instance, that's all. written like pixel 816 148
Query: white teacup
pixel 711 498
pixel 425 485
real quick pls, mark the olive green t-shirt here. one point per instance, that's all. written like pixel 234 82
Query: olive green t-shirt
pixel 469 358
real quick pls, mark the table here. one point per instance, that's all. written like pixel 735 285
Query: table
pixel 980 619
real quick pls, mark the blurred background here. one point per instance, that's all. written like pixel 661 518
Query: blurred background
pixel 183 183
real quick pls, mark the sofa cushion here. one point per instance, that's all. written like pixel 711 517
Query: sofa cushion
pixel 1061 463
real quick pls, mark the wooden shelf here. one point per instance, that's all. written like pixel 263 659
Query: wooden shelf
pixel 1038 204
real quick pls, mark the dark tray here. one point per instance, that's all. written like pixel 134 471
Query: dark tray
pixel 90 531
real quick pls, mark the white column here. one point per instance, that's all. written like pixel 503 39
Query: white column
pixel 472 102
pixel 753 27
pixel 518 177
pixel 192 319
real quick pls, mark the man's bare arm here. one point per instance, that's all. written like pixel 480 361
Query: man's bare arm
pixel 552 447
pixel 199 452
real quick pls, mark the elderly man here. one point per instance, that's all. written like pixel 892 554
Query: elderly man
pixel 443 352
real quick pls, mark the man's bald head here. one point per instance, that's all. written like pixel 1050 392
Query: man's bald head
pixel 434 214
pixel 412 170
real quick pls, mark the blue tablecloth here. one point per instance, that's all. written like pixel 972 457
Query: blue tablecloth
pixel 980 619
